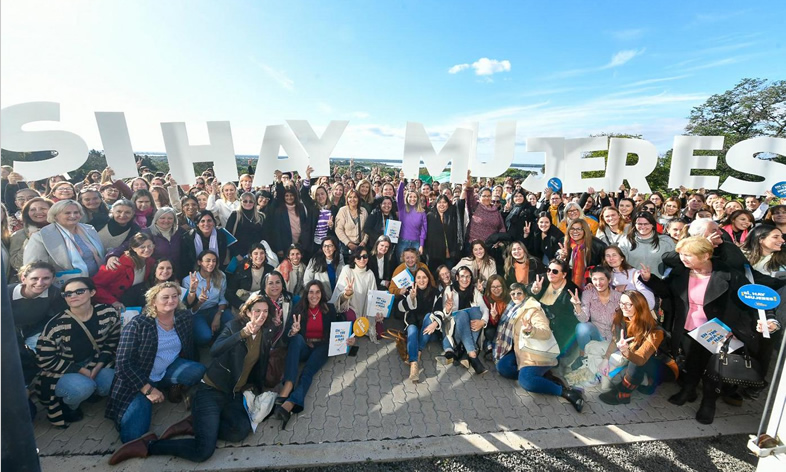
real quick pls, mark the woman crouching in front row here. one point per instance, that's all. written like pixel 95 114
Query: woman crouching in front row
pixel 240 359
pixel 522 320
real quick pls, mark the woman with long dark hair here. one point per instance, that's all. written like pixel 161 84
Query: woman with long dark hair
pixel 543 239
pixel 206 298
pixel 581 250
pixel 133 268
pixel 644 245
pixel 204 237
pixel 464 326
pixel 442 230
pixel 325 266
pixel 418 307
pixel 245 224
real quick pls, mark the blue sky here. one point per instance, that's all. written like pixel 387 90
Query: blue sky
pixel 570 69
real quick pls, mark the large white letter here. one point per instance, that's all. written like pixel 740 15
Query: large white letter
pixel 318 149
pixel 71 149
pixel 617 168
pixel 277 137
pixel 741 158
pixel 554 148
pixel 575 163
pixel 117 143
pixel 182 156
pixel 683 161
pixel 504 149
pixel 456 150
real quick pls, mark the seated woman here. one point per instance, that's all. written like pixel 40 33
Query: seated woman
pixel 76 351
pixel 418 307
pixel 155 354
pixel 205 236
pixel 595 310
pixel 206 297
pixel 466 315
pixel 248 276
pixel 325 266
pixel 410 260
pixel 624 276
pixel 33 216
pixel 120 227
pixel 293 270
pixel 481 263
pixel 515 361
pixel 380 262
pixel 240 358
pixel 496 299
pixel 307 334
pixel 519 266
pixel 355 281
pixel 554 295
pixel 637 336
pixel 133 268
pixel 162 271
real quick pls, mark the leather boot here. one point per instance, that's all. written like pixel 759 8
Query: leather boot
pixel 183 427
pixel 477 365
pixel 414 372
pixel 575 398
pixel 687 394
pixel 176 392
pixel 706 413
pixel 131 449
pixel 620 395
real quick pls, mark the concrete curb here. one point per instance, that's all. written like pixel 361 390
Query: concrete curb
pixel 309 455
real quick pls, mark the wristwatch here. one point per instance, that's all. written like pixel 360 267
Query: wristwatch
pixel 149 391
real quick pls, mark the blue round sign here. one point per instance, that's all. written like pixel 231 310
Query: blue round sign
pixel 555 184
pixel 779 189
pixel 759 296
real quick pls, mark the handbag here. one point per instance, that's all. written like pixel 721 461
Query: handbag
pixel 547 348
pixel 275 367
pixel 734 369
pixel 401 342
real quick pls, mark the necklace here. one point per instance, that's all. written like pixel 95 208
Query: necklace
pixel 555 290
pixel 701 272
pixel 165 325
pixel 313 312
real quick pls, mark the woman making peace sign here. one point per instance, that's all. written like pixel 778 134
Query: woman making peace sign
pixel 357 280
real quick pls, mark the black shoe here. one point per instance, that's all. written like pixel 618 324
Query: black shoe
pixel 94 398
pixel 280 401
pixel 282 414
pixel 450 355
pixel 477 365
pixel 706 413
pixel 686 395
pixel 574 397
pixel 646 389
pixel 557 380
pixel 72 416
pixel 733 399
pixel 578 363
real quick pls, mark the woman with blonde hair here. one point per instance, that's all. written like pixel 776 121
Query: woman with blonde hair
pixel 350 220
pixel 224 204
pixel 612 228
pixel 413 219
pixel 365 194
pixel 581 250
pixel 572 212
pixel 156 354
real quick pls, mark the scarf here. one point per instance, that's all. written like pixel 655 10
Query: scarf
pixel 156 231
pixel 212 245
pixel 75 253
pixel 140 217
pixel 577 262
pixel 464 297
pixel 504 342
pixel 115 228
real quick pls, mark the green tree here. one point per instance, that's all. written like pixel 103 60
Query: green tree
pixel 753 108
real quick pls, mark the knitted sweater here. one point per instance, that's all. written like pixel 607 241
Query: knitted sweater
pixel 485 221
pixel 413 223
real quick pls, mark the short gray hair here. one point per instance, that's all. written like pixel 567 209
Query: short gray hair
pixel 60 207
pixel 700 226
pixel 124 202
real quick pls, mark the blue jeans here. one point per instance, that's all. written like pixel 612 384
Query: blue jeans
pixel 417 339
pixel 463 334
pixel 203 319
pixel 216 415
pixel 76 388
pixel 136 420
pixel 405 244
pixel 586 332
pixel 315 357
pixel 530 378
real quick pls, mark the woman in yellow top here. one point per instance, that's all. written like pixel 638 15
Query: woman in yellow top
pixel 572 212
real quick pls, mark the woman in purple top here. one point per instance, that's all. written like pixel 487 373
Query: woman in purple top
pixel 413 220
pixel 485 218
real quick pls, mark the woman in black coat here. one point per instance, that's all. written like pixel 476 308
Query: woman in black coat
pixel 217 409
pixel 205 236
pixel 521 212
pixel 719 300
pixel 249 276
pixel 442 235
pixel 381 263
pixel 543 239
pixel 278 227
pixel 377 220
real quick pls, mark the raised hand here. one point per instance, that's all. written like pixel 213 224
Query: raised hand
pixel 622 344
pixel 279 318
pixel 590 190
pixel 537 285
pixel 193 282
pixel 413 292
pixel 645 272
pixel 349 290
pixel 309 170
pixel 493 312
pixel 526 325
pixel 203 296
pixel 295 325
pixel 574 297
pixel 527 228
pixel 563 253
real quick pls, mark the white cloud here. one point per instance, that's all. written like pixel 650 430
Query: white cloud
pixel 483 66
pixel 486 66
pixel 324 108
pixel 622 57
pixel 277 75
pixel 360 114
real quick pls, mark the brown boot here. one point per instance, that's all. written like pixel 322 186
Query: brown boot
pixel 183 427
pixel 414 372
pixel 176 393
pixel 131 449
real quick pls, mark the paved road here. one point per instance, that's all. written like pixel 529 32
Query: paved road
pixel 358 407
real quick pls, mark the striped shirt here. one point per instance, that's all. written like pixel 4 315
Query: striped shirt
pixel 168 349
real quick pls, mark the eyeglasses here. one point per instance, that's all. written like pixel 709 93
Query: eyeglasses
pixel 146 247
pixel 362 256
pixel 577 230
pixel 69 294
pixel 517 294
pixel 554 271
pixel 326 246
pixel 248 201
pixel 626 306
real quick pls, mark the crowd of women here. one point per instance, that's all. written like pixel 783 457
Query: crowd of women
pixel 233 288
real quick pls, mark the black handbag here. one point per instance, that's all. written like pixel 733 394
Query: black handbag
pixel 734 369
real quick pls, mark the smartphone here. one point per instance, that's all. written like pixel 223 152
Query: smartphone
pixel 353 351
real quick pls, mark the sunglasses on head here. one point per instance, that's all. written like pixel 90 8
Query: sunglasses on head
pixel 71 293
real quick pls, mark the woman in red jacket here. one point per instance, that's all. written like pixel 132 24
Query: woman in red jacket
pixel 133 268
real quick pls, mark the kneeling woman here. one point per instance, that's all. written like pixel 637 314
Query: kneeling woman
pixel 155 353
pixel 240 359
pixel 515 361
pixel 307 334
pixel 637 336
pixel 418 307
pixel 468 315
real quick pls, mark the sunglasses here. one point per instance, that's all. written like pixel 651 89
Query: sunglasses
pixel 516 294
pixel 554 271
pixel 363 256
pixel 626 305
pixel 69 294
pixel 248 201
